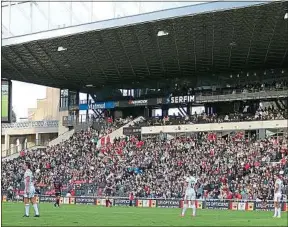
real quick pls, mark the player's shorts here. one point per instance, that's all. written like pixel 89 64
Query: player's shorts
pixel 30 194
pixel 190 195
pixel 57 194
pixel 277 197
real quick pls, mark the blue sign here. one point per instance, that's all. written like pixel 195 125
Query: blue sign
pixel 83 107
pixel 97 105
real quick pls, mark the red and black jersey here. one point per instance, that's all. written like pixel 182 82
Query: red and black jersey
pixel 57 185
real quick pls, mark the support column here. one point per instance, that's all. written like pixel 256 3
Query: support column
pixel 87 101
pixel 188 109
pixel 7 143
pixel 38 139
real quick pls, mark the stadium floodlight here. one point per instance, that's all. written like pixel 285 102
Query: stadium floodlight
pixel 162 33
pixel 286 16
pixel 61 49
pixel 89 85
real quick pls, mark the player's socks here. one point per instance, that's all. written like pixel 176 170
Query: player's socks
pixel 275 212
pixel 27 207
pixel 35 206
pixel 58 202
pixel 279 212
pixel 194 210
pixel 184 209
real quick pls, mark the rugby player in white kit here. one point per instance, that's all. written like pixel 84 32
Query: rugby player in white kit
pixel 29 192
pixel 190 195
pixel 277 195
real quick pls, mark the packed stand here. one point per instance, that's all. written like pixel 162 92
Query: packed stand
pixel 261 114
pixel 227 167
pixel 68 158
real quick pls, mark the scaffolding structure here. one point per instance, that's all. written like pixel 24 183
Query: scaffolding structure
pixel 27 17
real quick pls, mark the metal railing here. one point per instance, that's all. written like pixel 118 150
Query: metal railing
pixel 31 124
pixel 17 149
pixel 265 94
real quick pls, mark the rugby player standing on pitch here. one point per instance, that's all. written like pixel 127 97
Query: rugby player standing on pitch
pixel 57 188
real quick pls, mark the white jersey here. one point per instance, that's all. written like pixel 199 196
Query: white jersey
pixel 30 191
pixel 190 193
pixel 280 185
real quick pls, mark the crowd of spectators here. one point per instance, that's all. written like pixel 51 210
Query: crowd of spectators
pixel 260 115
pixel 227 167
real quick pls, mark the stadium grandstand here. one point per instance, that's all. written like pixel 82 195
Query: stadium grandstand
pixel 195 90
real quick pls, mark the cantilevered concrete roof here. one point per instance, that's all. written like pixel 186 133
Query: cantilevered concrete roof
pixel 218 37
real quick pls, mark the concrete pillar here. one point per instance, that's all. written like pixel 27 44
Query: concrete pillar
pixel 38 139
pixel 7 142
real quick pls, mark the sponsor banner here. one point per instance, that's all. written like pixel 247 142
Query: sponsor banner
pixel 199 205
pixel 145 203
pixel 168 203
pixel 85 200
pixel 264 205
pixel 250 206
pixel 241 206
pixel 123 202
pixel 140 102
pixel 179 99
pixel 83 107
pixel 234 206
pixel 131 103
pixel 66 200
pixel 97 105
pixel 212 204
pixel 139 203
pixel 71 200
pixel 152 203
pixel 285 207
pixel 47 199
pixel 128 131
pixel 102 202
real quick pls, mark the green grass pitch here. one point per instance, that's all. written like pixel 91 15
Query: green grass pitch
pixel 89 215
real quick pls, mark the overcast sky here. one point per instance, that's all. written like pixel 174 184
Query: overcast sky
pixel 25 95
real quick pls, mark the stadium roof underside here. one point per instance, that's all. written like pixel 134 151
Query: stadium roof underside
pixel 199 40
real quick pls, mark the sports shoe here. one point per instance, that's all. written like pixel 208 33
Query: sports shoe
pixel 37 216
pixel 25 216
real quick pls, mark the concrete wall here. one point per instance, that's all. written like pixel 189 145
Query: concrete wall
pixel 62 129
pixel 232 126
pixel 48 108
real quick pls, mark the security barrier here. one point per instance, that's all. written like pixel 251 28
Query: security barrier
pixel 237 205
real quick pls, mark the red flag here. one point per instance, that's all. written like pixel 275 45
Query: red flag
pixel 102 141
pixel 108 139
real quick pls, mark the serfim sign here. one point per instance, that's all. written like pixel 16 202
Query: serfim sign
pixel 182 99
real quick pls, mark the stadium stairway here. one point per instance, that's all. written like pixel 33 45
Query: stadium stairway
pixel 63 137
pixel 119 132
